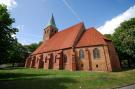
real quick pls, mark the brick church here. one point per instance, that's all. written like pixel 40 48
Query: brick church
pixel 74 48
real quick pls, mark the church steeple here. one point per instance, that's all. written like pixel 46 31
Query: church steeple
pixel 52 22
pixel 50 29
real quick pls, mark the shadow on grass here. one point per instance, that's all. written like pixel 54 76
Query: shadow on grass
pixel 11 80
pixel 14 76
pixel 124 69
pixel 12 68
pixel 127 69
pixel 38 83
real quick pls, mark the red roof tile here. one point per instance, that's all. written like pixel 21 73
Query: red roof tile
pixel 91 37
pixel 61 40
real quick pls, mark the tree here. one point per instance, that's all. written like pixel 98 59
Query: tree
pixel 32 47
pixel 17 53
pixel 124 41
pixel 109 36
pixel 6 33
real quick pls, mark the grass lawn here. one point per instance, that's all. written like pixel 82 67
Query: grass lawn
pixel 21 78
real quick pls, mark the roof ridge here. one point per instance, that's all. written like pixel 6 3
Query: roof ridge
pixel 92 28
pixel 80 23
pixel 61 40
pixel 78 36
pixel 91 37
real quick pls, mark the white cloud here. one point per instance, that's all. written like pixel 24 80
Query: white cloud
pixel 110 25
pixel 10 3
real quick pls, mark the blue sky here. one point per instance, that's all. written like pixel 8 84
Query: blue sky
pixel 33 15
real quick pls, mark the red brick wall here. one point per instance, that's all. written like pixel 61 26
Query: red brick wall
pixel 113 57
pixel 89 63
pixel 28 61
pixel 83 64
pixel 108 60
pixel 70 64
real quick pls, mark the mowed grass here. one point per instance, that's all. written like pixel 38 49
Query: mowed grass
pixel 24 78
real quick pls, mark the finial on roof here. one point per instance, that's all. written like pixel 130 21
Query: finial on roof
pixel 51 21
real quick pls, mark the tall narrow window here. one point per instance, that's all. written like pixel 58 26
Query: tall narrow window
pixel 64 58
pixel 96 53
pixel 45 59
pixel 81 54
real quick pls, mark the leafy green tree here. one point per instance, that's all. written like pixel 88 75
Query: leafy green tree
pixel 32 47
pixel 124 41
pixel 109 36
pixel 6 33
pixel 17 53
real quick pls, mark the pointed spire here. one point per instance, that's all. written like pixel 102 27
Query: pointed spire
pixel 52 21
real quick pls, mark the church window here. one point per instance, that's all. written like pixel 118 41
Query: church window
pixel 96 53
pixel 45 61
pixel 96 66
pixel 65 58
pixel 81 65
pixel 81 54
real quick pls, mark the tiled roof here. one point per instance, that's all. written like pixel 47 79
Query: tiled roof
pixel 61 40
pixel 67 38
pixel 91 37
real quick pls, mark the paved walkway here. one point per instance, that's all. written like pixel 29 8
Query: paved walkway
pixel 3 65
pixel 128 87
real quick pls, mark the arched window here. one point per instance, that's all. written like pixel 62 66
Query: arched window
pixel 96 53
pixel 64 58
pixel 45 59
pixel 81 54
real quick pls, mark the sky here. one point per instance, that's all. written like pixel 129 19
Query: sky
pixel 32 16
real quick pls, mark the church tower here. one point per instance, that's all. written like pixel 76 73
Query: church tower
pixel 50 29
